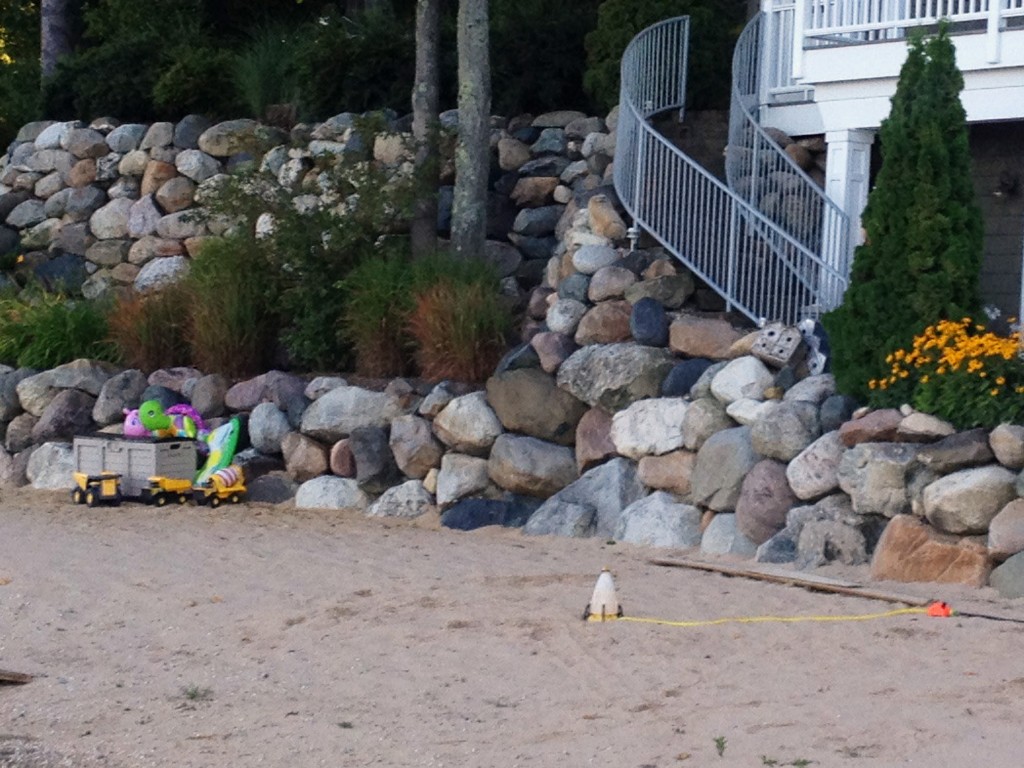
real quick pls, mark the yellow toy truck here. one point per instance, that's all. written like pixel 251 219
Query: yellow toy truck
pixel 226 484
pixel 163 490
pixel 95 489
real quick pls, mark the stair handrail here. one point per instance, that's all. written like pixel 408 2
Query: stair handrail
pixel 760 269
pixel 759 170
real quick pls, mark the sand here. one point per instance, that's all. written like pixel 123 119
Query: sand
pixel 261 635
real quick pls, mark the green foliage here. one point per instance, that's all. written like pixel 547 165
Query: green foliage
pixel 356 63
pixel 310 252
pixel 537 54
pixel 958 371
pixel 152 331
pixel 922 257
pixel 19 67
pixel 44 330
pixel 232 301
pixel 264 71
pixel 197 81
pixel 714 26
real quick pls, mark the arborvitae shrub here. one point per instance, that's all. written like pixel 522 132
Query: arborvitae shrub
pixel 922 254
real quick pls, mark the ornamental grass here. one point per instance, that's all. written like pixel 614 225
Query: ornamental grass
pixel 958 371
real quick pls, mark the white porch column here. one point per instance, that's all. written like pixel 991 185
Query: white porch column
pixel 847 176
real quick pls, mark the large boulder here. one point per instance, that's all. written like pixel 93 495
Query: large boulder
pixel 50 467
pixel 268 426
pixel 911 550
pixel 966 501
pixel 703 418
pixel 461 476
pixel 765 499
pixel 120 391
pixel 672 472
pixel 67 415
pixel 1006 531
pixel 35 392
pixel 327 492
pixel 649 427
pixel 468 424
pixel 722 463
pixel 875 476
pixel 722 537
pixel 787 429
pixel 343 409
pixel 410 499
pixel 815 470
pixel 414 446
pixel 613 376
pixel 660 520
pixel 605 490
pixel 530 466
pixel 744 377
pixel 527 400
pixel 593 439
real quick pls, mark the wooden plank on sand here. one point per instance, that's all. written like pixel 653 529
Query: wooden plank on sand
pixel 809 581
pixel 15 678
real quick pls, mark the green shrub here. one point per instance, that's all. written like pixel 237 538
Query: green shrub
pixel 264 71
pixel 922 257
pixel 152 331
pixel 44 330
pixel 232 300
pixel 960 372
pixel 357 63
pixel 196 81
pixel 714 27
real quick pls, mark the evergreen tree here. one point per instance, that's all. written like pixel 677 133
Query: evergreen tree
pixel 922 255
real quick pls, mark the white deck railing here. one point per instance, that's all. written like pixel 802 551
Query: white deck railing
pixel 796 25
pixel 760 269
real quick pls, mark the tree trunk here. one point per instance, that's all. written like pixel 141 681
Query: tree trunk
pixel 54 34
pixel 472 155
pixel 423 232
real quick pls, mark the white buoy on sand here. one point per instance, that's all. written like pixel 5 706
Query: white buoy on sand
pixel 604 605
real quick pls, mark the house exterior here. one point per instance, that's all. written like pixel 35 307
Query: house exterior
pixel 829 68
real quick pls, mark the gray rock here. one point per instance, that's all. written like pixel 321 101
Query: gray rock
pixel 143 217
pixel 835 411
pixel 965 502
pixel 528 401
pixel 196 165
pixel 875 476
pixel 180 226
pixel 825 541
pixel 813 389
pixel 228 138
pixel 787 429
pixel 304 457
pixel 530 466
pixel 111 221
pixel 108 253
pixel 606 490
pixel 321 385
pixel 468 424
pixel 410 499
pixel 1006 531
pixel 815 470
pixel 18 435
pixel 722 463
pixel 671 291
pixel 83 202
pixel 649 427
pixel 414 446
pixel 86 142
pixel 461 476
pixel 564 316
pixel 561 518
pixel 1007 443
pixel 37 391
pixel 1008 578
pixel 120 392
pixel 160 273
pixel 959 451
pixel 208 395
pixel 537 222
pixel 614 375
pixel 10 404
pixel 343 409
pixel 68 414
pixel 722 537
pixel 188 130
pixel 27 214
pixel 50 467
pixel 126 137
pixel 437 399
pixel 744 377
pixel 53 135
pixel 660 520
pixel 268 426
pixel 588 259
pixel 376 470
pixel 703 418
pixel 331 493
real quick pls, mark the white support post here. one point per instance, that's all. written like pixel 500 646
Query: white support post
pixel 799 27
pixel 847 176
pixel 992 33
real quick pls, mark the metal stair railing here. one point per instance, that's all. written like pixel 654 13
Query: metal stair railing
pixel 760 269
pixel 767 178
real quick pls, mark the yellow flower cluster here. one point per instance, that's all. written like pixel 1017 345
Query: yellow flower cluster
pixel 947 347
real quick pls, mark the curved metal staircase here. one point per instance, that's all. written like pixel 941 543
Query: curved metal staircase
pixel 769 242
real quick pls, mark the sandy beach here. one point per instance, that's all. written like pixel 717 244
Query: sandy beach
pixel 263 635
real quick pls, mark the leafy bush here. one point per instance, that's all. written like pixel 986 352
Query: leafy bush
pixel 232 308
pixel 196 81
pixel 44 330
pixel 922 257
pixel 714 27
pixel 152 331
pixel 960 372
